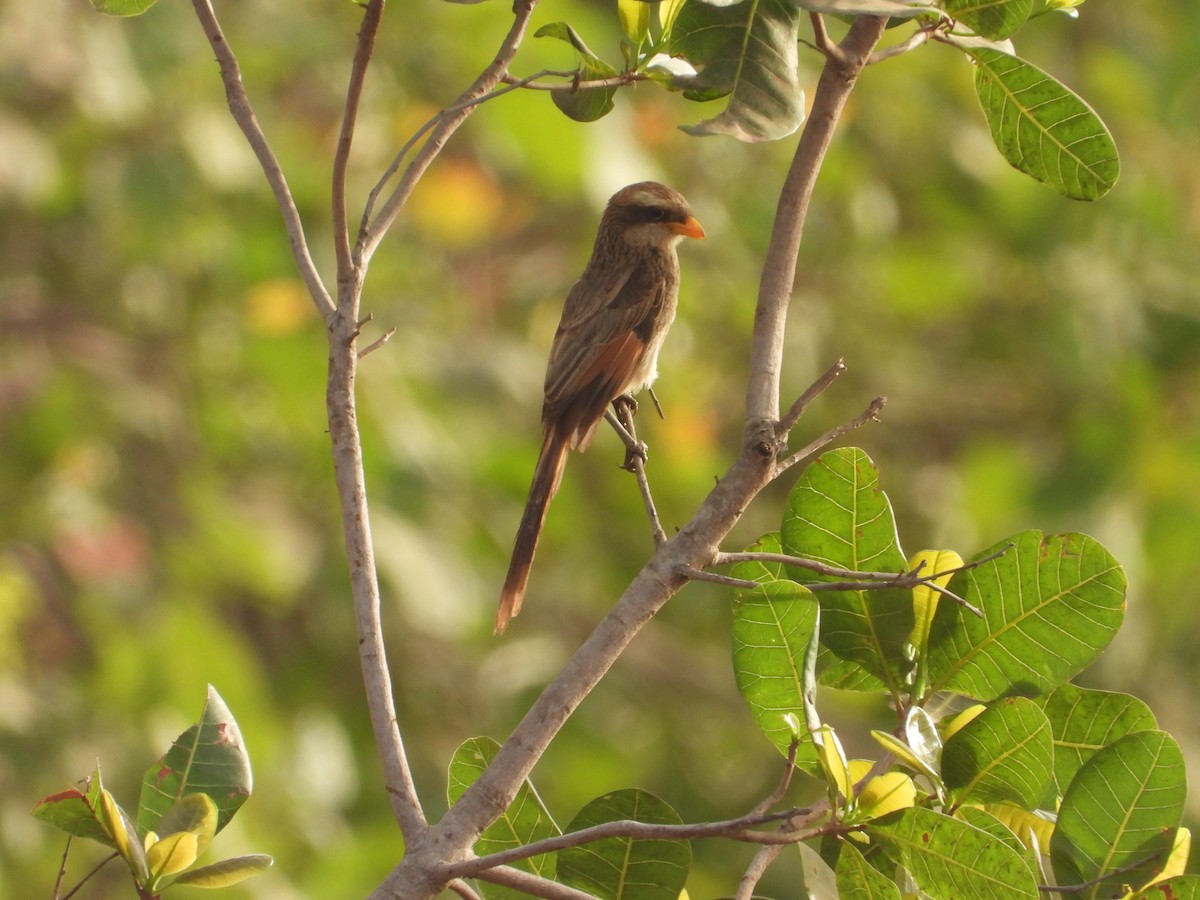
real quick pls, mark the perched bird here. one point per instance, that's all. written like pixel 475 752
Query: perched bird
pixel 612 327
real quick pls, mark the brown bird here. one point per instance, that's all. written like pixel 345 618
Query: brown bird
pixel 612 327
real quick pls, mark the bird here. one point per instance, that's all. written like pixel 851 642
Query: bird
pixel 613 324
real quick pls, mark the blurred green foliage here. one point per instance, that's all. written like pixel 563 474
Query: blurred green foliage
pixel 169 517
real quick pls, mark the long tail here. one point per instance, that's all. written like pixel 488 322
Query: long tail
pixel 546 478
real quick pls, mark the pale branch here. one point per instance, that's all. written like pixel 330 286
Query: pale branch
pixel 341 159
pixel 424 870
pixel 377 343
pixel 918 38
pixel 533 885
pixel 463 890
pixel 840 72
pixel 821 39
pixel 243 115
pixel 785 781
pixel 757 868
pixel 871 413
pixel 373 228
pixel 818 387
pixel 691 573
pixel 533 83
pixel 739 829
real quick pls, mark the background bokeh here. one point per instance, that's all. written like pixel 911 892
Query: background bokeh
pixel 167 512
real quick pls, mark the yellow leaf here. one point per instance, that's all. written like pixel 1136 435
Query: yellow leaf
pixel 833 759
pixel 886 793
pixel 956 724
pixel 902 752
pixel 172 854
pixel 635 19
pixel 1177 862
pixel 114 824
pixel 925 598
pixel 1031 829
pixel 668 11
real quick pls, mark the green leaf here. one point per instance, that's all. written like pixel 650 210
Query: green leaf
pixel 949 858
pixel 123 7
pixel 856 880
pixel 635 17
pixel 226 872
pixel 1117 821
pixel 994 19
pixel 1050 603
pixel 620 868
pixel 747 51
pixel 772 627
pixel 209 758
pixel 1004 753
pixel 74 812
pixel 1043 129
pixel 123 835
pixel 171 855
pixel 985 821
pixel 1181 887
pixel 587 104
pixel 838 516
pixel 526 820
pixel 1083 721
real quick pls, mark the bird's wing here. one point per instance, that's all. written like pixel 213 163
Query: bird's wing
pixel 601 339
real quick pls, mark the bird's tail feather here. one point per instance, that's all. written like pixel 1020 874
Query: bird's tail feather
pixel 546 478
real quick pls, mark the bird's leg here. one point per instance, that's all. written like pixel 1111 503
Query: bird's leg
pixel 625 408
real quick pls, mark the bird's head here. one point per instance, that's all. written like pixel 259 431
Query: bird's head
pixel 649 214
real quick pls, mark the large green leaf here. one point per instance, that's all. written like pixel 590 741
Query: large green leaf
pixel 857 880
pixel 748 51
pixel 837 515
pixel 948 858
pixel 993 19
pixel 1083 721
pixel 620 868
pixel 1117 821
pixel 772 627
pixel 588 104
pixel 1004 753
pixel 526 820
pixel 1181 887
pixel 1050 603
pixel 209 758
pixel 1044 129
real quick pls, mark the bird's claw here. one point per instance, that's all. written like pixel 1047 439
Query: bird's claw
pixel 637 452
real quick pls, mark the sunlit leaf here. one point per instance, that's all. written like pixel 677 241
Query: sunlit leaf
pixel 74 812
pixel 772 627
pixel 1050 603
pixel 749 52
pixel 635 17
pixel 1083 721
pixel 1043 128
pixel 949 858
pixel 995 19
pixel 1117 821
pixel 838 516
pixel 226 872
pixel 526 820
pixel 1005 753
pixel 625 868
pixel 209 758
pixel 171 855
pixel 1032 830
pixel 885 794
pixel 857 880
pixel 123 7
pixel 194 813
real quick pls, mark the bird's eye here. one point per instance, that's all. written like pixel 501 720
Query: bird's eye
pixel 656 213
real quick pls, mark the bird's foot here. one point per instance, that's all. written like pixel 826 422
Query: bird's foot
pixel 635 453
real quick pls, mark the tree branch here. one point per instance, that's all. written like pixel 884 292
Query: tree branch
pixel 243 114
pixel 442 126
pixel 871 412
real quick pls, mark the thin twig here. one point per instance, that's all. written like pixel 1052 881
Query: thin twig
pixel 533 885
pixel 243 114
pixel 821 39
pixel 917 39
pixel 635 462
pixel 377 343
pixel 818 387
pixel 463 890
pixel 373 228
pixel 761 861
pixel 785 781
pixel 693 574
pixel 532 83
pixel 84 880
pixel 739 829
pixel 341 159
pixel 867 415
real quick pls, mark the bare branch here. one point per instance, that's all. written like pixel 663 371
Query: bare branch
pixel 762 860
pixel 867 415
pixel 821 39
pixel 341 159
pixel 574 83
pixel 243 114
pixel 441 128
pixel 818 387
pixel 377 343
pixel 635 460
pixel 463 890
pixel 531 884
pixel 693 574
